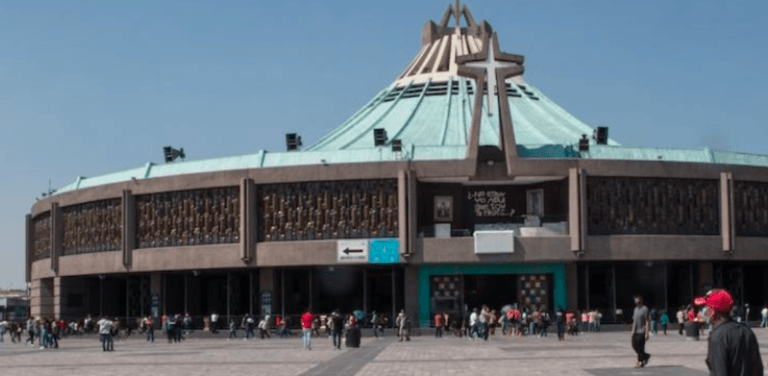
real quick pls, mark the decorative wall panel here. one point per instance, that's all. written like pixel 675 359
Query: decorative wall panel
pixel 93 227
pixel 195 217
pixel 620 205
pixel 41 235
pixel 750 207
pixel 328 210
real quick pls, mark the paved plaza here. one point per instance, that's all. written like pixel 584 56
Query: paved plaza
pixel 599 354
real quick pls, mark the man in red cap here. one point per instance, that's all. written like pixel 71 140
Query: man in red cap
pixel 733 348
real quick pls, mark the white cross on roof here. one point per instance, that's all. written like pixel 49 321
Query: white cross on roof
pixel 490 65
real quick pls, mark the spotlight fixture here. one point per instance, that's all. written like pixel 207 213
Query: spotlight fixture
pixel 584 143
pixel 171 154
pixel 292 141
pixel 397 145
pixel 601 135
pixel 379 136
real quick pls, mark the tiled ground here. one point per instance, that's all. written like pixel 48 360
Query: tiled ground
pixel 586 355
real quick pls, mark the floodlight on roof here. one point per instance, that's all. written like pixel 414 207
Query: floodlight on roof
pixel 397 145
pixel 584 143
pixel 292 141
pixel 601 135
pixel 171 154
pixel 379 136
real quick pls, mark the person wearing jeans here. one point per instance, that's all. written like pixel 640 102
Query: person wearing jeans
pixel 337 324
pixel 306 328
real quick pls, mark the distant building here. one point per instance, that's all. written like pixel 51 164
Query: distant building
pixel 14 305
pixel 459 184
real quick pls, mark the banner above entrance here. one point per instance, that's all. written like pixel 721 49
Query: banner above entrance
pixel 494 242
pixel 353 251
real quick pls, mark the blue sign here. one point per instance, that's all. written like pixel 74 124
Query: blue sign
pixel 384 251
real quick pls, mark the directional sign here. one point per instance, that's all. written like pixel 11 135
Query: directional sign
pixel 384 251
pixel 353 251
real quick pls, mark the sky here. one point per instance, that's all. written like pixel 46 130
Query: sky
pixel 93 87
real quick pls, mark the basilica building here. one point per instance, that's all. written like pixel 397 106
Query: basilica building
pixel 458 184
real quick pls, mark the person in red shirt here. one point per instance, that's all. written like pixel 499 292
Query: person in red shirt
pixel 439 325
pixel 306 328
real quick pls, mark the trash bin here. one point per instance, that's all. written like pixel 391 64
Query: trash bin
pixel 353 337
pixel 692 331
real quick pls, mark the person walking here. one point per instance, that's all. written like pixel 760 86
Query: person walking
pixel 403 326
pixel 3 329
pixel 150 329
pixel 306 328
pixel 337 324
pixel 264 327
pixel 439 325
pixel 680 316
pixel 232 329
pixel 250 323
pixel 664 321
pixel 732 349
pixel 376 322
pixel 640 331
pixel 105 334
pixel 764 317
pixel 560 321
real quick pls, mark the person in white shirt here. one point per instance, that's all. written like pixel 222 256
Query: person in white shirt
pixel 105 333
pixel 3 329
pixel 473 324
pixel 764 317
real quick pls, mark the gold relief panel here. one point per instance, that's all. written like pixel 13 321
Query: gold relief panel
pixel 41 237
pixel 750 201
pixel 93 227
pixel 183 218
pixel 620 205
pixel 328 210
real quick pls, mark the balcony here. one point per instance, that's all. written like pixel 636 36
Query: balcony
pixel 524 226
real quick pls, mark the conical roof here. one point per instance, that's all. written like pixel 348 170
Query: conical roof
pixel 431 104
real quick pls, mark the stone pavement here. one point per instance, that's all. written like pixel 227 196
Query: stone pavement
pixel 599 354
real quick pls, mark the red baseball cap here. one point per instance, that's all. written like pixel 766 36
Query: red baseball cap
pixel 719 300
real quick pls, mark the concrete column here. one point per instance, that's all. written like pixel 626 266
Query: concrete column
pixel 28 248
pixel 572 285
pixel 726 211
pixel 41 297
pixel 57 232
pixel 156 290
pixel 412 294
pixel 247 220
pixel 573 210
pixel 413 210
pixel 706 276
pixel 266 284
pixel 129 227
pixel 402 210
pixel 57 298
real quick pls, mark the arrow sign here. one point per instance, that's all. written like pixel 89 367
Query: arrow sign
pixel 348 251
pixel 352 251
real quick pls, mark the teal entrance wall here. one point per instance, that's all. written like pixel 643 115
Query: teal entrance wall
pixel 427 271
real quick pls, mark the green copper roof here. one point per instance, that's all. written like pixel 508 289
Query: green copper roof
pixel 429 108
pixel 427 115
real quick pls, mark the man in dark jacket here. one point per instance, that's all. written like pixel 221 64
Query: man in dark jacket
pixel 337 325
pixel 733 348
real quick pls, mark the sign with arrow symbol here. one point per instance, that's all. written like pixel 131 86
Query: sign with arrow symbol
pixel 353 251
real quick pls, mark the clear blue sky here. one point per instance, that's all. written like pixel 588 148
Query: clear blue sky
pixel 91 87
